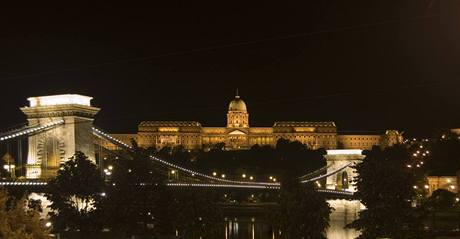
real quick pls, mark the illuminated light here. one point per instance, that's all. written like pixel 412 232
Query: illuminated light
pixel 409 166
pixel 252 195
pixel 110 167
pixel 415 187
pixel 243 176
pixel 344 152
pixel 448 180
pixel 173 172
pixel 415 155
pixel 452 187
pixel 457 199
pixel 214 174
pixel 427 187
pixel 106 170
pixel 103 194
pixel 251 178
pixel 108 173
pixel 427 152
pixel 418 151
pixel 129 170
pixel 274 179
pixel 421 146
pixel 48 224
pixel 223 175
pixel 193 175
pixel 59 100
pixel 418 166
pixel 421 162
pixel 271 178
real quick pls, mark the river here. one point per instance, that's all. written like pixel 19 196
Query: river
pixel 344 212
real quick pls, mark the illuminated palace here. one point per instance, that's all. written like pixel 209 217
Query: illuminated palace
pixel 239 135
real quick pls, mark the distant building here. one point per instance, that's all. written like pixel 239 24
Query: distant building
pixel 238 134
pixel 449 183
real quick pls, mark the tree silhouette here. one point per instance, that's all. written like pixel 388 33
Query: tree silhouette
pixel 74 193
pixel 136 201
pixel 302 212
pixel 384 186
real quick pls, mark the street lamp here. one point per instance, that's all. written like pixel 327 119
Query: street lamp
pixel 243 176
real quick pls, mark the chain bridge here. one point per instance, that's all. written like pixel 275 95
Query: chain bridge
pixel 59 125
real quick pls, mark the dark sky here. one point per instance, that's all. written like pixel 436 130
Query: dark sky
pixel 367 65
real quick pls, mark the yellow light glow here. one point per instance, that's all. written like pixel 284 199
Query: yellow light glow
pixel 344 152
pixel 69 99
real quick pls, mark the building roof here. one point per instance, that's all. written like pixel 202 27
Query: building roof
pixel 169 123
pixel 303 124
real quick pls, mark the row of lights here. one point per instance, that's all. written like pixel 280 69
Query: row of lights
pixel 427 187
pixel 207 185
pixel 31 130
pixel 23 183
pixel 107 136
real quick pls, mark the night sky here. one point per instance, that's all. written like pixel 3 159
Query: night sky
pixel 367 65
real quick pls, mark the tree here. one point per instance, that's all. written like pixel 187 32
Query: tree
pixel 444 157
pixel 18 222
pixel 137 201
pixel 440 200
pixel 384 186
pixel 197 215
pixel 74 193
pixel 302 211
pixel 297 158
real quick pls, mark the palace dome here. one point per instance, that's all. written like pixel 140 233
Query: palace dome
pixel 237 104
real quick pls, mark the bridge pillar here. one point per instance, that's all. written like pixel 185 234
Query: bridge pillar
pixel 48 149
pixel 337 159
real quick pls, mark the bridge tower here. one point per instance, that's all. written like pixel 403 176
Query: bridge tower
pixel 337 159
pixel 48 149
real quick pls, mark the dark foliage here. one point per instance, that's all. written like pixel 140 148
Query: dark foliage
pixel 385 187
pixel 74 193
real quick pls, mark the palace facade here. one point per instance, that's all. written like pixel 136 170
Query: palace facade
pixel 238 134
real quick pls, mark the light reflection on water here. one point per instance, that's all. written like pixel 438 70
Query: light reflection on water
pixel 344 213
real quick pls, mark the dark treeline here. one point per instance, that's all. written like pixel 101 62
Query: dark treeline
pixel 258 160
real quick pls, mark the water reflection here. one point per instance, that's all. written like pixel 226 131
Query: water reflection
pixel 251 228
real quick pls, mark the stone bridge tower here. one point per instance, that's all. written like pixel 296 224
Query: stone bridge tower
pixel 48 149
